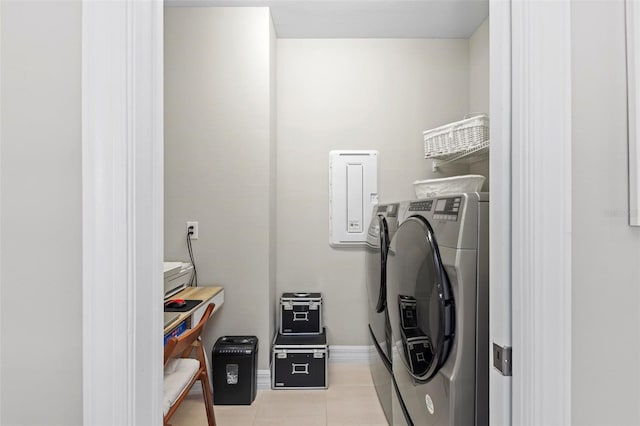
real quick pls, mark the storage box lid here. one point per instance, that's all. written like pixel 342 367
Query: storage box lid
pixel 301 296
pixel 310 341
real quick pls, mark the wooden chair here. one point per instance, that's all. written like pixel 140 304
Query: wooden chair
pixel 181 372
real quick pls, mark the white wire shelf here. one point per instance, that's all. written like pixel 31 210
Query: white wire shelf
pixel 471 155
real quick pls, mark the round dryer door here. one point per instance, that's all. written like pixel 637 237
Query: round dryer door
pixel 420 300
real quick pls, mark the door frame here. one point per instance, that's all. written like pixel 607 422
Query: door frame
pixel 123 210
pixel 530 214
pixel 500 387
pixel 122 206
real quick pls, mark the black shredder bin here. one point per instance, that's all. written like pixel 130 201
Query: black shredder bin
pixel 235 372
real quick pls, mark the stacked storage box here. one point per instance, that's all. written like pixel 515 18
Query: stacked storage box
pixel 300 350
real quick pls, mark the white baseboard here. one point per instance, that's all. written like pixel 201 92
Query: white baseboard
pixel 264 379
pixel 349 354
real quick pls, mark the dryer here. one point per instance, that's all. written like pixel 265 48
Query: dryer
pixel 384 223
pixel 438 308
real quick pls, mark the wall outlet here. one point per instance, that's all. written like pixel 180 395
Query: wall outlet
pixel 194 231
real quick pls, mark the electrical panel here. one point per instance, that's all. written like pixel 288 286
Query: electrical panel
pixel 353 191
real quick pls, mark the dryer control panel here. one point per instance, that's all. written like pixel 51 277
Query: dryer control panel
pixel 447 208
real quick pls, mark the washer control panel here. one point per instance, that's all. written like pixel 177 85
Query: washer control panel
pixel 447 208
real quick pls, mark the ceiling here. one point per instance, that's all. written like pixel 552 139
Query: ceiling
pixel 365 18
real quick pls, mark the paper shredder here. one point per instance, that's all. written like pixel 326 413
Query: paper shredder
pixel 235 372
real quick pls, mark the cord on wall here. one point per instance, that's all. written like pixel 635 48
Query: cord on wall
pixel 194 278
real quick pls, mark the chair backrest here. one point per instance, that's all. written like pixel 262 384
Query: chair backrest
pixel 182 345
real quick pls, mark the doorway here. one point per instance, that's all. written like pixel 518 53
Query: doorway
pixel 525 33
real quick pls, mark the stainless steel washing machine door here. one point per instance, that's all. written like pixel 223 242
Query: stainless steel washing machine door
pixel 419 300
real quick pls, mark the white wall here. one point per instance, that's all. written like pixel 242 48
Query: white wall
pixel 605 266
pixel 221 152
pixel 219 144
pixel 479 86
pixel 41 213
pixel 353 94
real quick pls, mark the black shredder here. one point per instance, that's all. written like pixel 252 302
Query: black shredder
pixel 235 372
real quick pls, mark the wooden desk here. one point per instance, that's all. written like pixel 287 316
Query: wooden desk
pixel 208 295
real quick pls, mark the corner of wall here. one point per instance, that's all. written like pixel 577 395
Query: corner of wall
pixel 273 177
pixel 229 143
pixel 479 85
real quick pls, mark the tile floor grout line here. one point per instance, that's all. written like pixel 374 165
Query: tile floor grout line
pixel 326 407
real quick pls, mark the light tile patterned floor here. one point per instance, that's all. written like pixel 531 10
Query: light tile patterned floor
pixel 350 400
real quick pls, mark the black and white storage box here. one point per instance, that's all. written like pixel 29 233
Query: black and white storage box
pixel 300 362
pixel 301 313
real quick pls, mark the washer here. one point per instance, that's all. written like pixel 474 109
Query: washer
pixel 384 223
pixel 438 308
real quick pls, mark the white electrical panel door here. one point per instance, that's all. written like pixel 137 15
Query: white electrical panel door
pixel 353 191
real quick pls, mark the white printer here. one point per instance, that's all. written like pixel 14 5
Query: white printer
pixel 176 277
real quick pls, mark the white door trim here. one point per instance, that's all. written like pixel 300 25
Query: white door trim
pixel 122 174
pixel 541 212
pixel 632 15
pixel 0 209
pixel 500 206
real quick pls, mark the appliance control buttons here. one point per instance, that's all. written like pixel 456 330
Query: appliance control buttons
pixel 450 217
pixel 421 206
